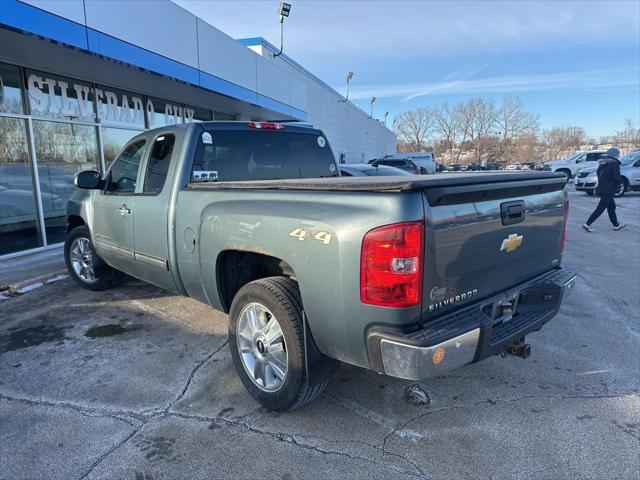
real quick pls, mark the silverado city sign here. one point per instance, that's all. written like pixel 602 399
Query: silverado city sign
pixel 49 96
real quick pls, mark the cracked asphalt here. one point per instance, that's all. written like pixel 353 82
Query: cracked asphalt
pixel 135 383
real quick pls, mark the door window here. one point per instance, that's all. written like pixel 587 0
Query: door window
pixel 581 158
pixel 124 172
pixel 158 164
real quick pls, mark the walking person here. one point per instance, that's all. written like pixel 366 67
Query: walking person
pixel 609 181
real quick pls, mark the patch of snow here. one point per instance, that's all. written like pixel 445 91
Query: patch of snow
pixel 30 287
pixel 57 278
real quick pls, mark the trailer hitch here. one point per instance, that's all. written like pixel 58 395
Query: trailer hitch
pixel 517 349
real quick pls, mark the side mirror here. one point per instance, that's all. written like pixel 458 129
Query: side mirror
pixel 89 179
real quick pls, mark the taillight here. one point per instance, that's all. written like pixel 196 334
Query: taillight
pixel 391 265
pixel 266 125
pixel 564 225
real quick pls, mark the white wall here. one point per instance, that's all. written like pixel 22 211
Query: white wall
pixel 166 29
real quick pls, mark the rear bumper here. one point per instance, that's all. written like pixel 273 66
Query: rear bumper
pixel 473 333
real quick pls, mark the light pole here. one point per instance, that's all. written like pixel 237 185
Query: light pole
pixel 373 99
pixel 386 114
pixel 285 8
pixel 349 77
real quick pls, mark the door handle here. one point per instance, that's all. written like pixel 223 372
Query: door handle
pixel 124 210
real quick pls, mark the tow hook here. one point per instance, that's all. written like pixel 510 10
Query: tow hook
pixel 517 349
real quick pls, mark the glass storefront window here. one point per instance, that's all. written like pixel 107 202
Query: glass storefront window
pixel 117 107
pixel 195 114
pixel 161 113
pixel 59 97
pixel 113 141
pixel 18 213
pixel 10 92
pixel 221 116
pixel 62 150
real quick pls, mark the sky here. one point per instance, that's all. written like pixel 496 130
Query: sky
pixel 571 62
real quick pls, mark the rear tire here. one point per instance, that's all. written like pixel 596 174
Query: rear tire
pixel 84 266
pixel 272 365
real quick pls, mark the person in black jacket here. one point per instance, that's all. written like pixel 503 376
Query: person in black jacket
pixel 609 181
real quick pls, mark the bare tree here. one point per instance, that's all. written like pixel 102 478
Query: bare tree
pixel 514 121
pixel 413 127
pixel 629 136
pixel 560 140
pixel 447 126
pixel 478 124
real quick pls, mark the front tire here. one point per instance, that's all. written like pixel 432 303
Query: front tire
pixel 267 340
pixel 621 189
pixel 567 173
pixel 84 266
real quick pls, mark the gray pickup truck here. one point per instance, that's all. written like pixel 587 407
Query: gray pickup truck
pixel 409 276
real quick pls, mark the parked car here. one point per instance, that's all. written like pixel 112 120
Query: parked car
pixel 513 167
pixel 390 274
pixel 454 167
pixel 473 167
pixel 426 161
pixel 491 166
pixel 587 178
pixel 406 165
pixel 365 169
pixel 576 162
pixel 17 207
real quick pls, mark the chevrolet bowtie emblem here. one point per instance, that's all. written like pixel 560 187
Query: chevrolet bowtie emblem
pixel 512 242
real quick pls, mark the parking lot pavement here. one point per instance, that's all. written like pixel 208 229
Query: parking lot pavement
pixel 137 383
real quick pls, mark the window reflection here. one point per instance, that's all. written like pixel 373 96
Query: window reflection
pixel 10 94
pixel 18 220
pixel 62 150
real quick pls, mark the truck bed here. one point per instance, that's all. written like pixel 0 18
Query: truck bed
pixel 387 183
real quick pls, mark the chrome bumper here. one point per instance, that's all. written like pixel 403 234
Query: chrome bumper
pixel 405 357
pixel 415 363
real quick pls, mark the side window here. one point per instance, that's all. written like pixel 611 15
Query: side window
pixel 158 164
pixel 345 173
pixel 124 171
pixel 592 157
pixel 581 158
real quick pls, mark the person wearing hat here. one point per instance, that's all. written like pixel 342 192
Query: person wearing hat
pixel 609 181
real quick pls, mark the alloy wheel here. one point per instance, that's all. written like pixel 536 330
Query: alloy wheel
pixel 81 256
pixel 262 347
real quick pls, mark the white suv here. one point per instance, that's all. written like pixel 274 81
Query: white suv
pixel 571 165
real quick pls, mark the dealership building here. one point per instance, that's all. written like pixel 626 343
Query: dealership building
pixel 79 78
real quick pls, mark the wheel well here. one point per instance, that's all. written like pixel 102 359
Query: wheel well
pixel 235 268
pixel 74 221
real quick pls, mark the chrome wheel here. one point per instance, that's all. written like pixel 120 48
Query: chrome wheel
pixel 262 347
pixel 81 256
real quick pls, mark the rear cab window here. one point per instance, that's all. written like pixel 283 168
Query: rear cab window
pixel 158 163
pixel 246 155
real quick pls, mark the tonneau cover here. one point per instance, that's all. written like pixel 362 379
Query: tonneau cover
pixel 383 184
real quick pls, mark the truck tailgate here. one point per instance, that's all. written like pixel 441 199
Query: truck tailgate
pixel 485 238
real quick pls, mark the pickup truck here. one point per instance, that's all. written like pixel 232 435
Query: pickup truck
pixel 409 276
